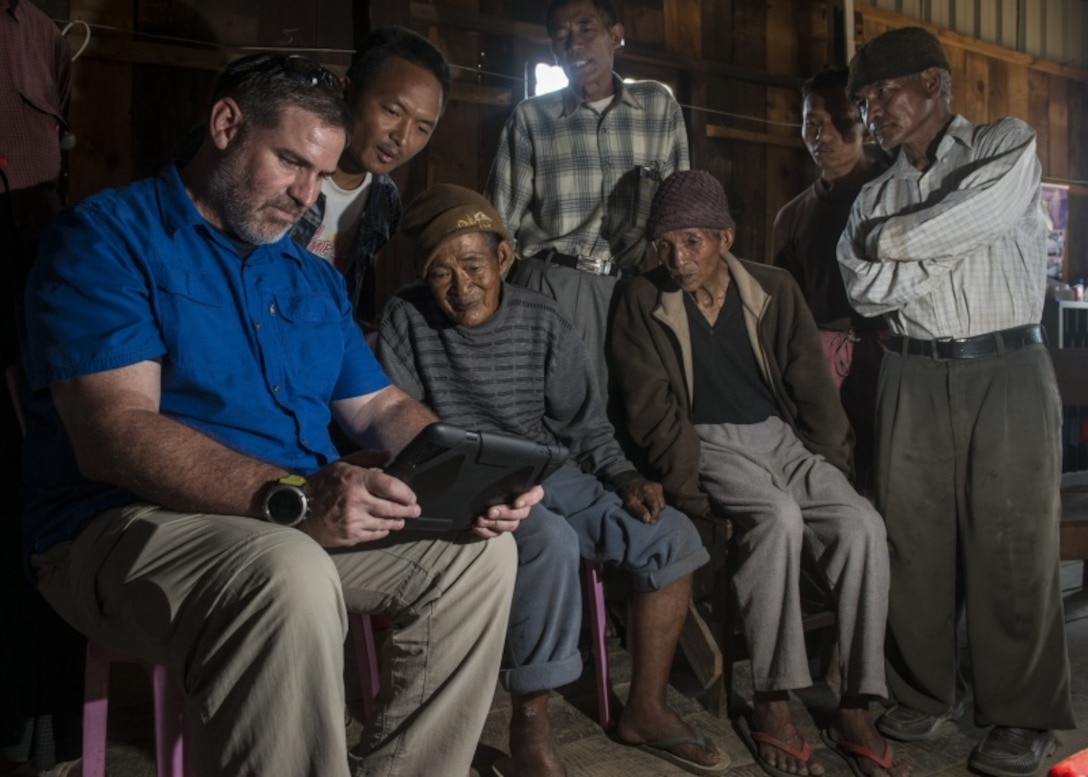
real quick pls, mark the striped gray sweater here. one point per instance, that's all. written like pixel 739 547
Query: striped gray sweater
pixel 524 371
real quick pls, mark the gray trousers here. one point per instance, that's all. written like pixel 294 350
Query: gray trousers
pixel 585 299
pixel 579 519
pixel 968 469
pixel 781 497
pixel 250 619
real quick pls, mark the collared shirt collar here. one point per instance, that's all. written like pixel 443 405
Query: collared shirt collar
pixel 12 7
pixel 176 207
pixel 572 100
pixel 178 211
pixel 959 130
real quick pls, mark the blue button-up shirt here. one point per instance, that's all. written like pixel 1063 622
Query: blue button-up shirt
pixel 253 348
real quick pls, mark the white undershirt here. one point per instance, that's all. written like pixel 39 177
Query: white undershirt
pixel 344 209
pixel 600 105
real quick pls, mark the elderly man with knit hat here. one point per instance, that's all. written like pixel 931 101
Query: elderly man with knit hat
pixel 949 244
pixel 725 388
pixel 488 355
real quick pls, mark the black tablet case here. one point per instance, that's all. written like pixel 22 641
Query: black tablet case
pixel 457 474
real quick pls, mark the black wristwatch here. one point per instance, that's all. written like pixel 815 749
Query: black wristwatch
pixel 286 502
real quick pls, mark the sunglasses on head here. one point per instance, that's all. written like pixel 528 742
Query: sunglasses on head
pixel 307 71
pixel 301 70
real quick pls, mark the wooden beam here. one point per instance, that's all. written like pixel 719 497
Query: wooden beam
pixel 762 138
pixel 481 95
pixel 752 75
pixel 890 19
pixel 479 22
pixel 535 33
pixel 119 49
pixel 116 49
pixel 701 649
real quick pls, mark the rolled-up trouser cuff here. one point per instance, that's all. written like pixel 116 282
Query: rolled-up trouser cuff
pixel 542 677
pixel 657 579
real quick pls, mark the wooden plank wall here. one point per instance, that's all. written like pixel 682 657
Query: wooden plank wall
pixel 144 80
pixel 735 65
pixel 715 55
pixel 989 82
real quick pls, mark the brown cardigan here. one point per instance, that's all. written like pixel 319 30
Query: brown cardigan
pixel 650 352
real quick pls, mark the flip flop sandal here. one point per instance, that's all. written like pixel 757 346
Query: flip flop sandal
pixel 661 749
pixel 851 752
pixel 754 738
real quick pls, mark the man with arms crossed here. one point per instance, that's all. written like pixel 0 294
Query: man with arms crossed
pixel 576 170
pixel 950 245
pixel 199 518
pixel 396 88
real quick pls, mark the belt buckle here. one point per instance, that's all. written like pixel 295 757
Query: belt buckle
pixel 595 266
pixel 935 349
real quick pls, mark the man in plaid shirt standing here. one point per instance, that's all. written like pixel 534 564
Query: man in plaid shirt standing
pixel 576 170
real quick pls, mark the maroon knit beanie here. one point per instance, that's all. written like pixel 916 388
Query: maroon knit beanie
pixel 687 200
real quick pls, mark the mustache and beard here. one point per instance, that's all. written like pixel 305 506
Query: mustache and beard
pixel 246 212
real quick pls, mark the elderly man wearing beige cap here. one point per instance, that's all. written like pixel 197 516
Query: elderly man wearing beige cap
pixel 725 388
pixel 488 355
pixel 949 244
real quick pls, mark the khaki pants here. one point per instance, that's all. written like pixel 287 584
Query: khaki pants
pixel 784 501
pixel 250 619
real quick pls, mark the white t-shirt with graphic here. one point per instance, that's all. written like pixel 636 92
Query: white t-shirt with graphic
pixel 344 208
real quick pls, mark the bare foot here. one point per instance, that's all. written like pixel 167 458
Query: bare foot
pixel 854 724
pixel 771 715
pixel 533 748
pixel 646 721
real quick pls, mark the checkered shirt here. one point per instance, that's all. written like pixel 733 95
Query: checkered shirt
pixel 959 249
pixel 581 182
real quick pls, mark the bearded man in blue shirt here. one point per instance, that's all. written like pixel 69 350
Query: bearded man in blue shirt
pixel 184 502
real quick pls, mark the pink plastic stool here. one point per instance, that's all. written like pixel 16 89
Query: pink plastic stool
pixel 598 622
pixel 361 629
pixel 169 708
pixel 169 702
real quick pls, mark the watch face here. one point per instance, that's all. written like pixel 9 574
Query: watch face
pixel 285 505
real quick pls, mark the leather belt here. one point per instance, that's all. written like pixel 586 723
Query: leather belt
pixel 979 347
pixel 583 263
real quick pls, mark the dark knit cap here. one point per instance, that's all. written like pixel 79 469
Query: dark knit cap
pixel 444 211
pixel 894 54
pixel 687 200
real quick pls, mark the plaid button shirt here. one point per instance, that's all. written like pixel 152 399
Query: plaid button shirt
pixel 957 250
pixel 580 181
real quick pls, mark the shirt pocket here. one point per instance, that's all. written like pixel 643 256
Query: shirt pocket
pixel 36 90
pixel 200 324
pixel 312 338
pixel 648 178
